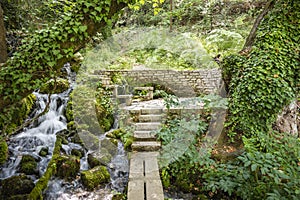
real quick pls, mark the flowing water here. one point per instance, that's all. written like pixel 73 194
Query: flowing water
pixel 41 135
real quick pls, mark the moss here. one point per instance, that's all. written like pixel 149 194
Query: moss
pixel 77 152
pixel 9 121
pixel 16 185
pixel 69 110
pixel 3 151
pixel 61 86
pixel 28 165
pixel 44 151
pixel 94 177
pixel 42 183
pixel 67 167
pixel 128 142
pixel 117 134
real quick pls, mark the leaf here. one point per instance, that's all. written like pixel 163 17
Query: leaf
pixel 83 28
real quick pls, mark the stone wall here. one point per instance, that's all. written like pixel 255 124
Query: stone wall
pixel 182 83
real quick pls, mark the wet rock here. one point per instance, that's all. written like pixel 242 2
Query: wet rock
pixel 89 140
pixel 111 147
pixel 44 151
pixel 102 157
pixel 16 186
pixel 93 162
pixel 67 167
pixel 28 165
pixel 94 177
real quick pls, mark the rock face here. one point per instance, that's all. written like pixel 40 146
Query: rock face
pixel 288 120
pixel 94 177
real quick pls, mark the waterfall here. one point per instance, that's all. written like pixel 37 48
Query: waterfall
pixel 41 134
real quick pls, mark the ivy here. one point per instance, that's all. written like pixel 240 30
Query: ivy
pixel 264 81
pixel 43 54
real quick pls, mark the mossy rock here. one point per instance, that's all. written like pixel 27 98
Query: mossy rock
pixel 116 134
pixel 76 139
pixel 44 151
pixel 67 167
pixel 93 161
pixel 16 185
pixel 9 121
pixel 61 86
pixel 77 152
pixel 128 142
pixel 28 165
pixel 3 151
pixel 94 177
pixel 69 111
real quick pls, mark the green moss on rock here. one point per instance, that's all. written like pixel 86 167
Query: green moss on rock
pixel 94 177
pixel 3 151
pixel 42 183
pixel 67 167
pixel 28 165
pixel 10 120
pixel 16 185
pixel 44 151
pixel 61 86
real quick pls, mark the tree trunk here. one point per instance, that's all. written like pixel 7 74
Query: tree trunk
pixel 251 37
pixel 3 47
pixel 288 120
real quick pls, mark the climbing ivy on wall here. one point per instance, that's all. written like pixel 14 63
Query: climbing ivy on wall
pixel 262 82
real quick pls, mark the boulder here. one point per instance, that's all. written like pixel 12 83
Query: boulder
pixel 94 177
pixel 28 165
pixel 67 167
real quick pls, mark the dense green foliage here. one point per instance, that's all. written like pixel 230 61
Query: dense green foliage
pixel 43 54
pixel 268 79
pixel 273 173
pixel 179 156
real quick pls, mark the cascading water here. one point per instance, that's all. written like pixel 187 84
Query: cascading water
pixel 41 136
pixel 38 136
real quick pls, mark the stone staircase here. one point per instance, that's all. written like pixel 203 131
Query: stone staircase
pixel 144 179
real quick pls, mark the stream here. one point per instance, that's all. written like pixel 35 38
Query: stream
pixel 40 136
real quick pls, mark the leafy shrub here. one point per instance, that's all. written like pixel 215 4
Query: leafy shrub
pixel 269 173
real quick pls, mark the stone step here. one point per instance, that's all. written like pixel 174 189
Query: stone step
pixel 150 118
pixel 144 136
pixel 144 180
pixel 147 111
pixel 147 126
pixel 145 146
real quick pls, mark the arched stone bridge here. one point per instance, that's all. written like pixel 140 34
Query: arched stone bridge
pixel 187 83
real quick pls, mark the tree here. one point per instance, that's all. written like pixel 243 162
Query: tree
pixel 3 48
pixel 42 56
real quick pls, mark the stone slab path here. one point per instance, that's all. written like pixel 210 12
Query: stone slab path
pixel 144 179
